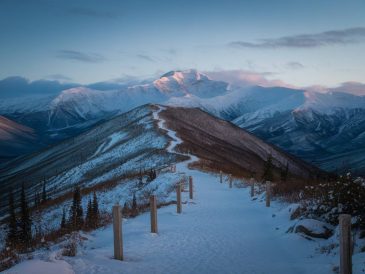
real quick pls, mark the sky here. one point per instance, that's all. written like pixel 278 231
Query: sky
pixel 283 42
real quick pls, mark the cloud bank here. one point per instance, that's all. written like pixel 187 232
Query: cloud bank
pixel 17 86
pixel 327 38
pixel 243 78
pixel 80 56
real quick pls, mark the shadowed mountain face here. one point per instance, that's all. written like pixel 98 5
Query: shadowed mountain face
pixel 128 143
pixel 223 146
pixel 16 139
pixel 324 129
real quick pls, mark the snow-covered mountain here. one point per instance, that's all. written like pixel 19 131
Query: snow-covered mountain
pixel 80 104
pixel 326 129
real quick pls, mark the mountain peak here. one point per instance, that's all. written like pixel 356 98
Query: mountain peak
pixel 184 82
pixel 189 74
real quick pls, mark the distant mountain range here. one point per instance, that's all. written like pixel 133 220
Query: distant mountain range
pixel 327 129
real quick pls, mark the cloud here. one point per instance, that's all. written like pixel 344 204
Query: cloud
pixel 355 88
pixel 145 57
pixel 327 38
pixel 294 65
pixel 17 86
pixel 58 77
pixel 80 56
pixel 245 78
pixel 117 83
pixel 91 13
pixel 170 51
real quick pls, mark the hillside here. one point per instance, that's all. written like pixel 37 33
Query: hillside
pixel 220 145
pixel 120 147
pixel 132 142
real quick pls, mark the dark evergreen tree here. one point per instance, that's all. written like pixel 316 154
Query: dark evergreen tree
pixel 89 215
pixel 25 233
pixel 126 210
pixel 95 211
pixel 140 179
pixel 152 175
pixel 268 170
pixel 44 192
pixel 63 221
pixel 12 237
pixel 284 173
pixel 36 204
pixel 76 212
pixel 134 210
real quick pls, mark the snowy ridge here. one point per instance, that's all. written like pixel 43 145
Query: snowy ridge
pixel 175 140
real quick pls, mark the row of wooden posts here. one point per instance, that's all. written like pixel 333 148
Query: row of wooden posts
pixel 344 222
pixel 117 217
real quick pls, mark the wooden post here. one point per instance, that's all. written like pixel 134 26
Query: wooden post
pixel 190 187
pixel 178 198
pixel 153 208
pixel 117 229
pixel 230 180
pixel 268 193
pixel 252 187
pixel 345 244
pixel 221 176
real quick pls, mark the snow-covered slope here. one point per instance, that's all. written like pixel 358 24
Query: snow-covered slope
pixel 124 145
pixel 327 129
pixel 114 149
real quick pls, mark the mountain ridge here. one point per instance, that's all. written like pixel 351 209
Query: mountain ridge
pixel 281 116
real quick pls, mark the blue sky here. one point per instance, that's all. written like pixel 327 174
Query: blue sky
pixel 299 43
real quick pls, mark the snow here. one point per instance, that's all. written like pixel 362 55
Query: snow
pixel 42 267
pixel 112 140
pixel 221 231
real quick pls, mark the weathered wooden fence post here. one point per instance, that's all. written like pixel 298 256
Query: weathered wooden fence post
pixel 191 187
pixel 117 229
pixel 230 180
pixel 178 198
pixel 345 244
pixel 221 176
pixel 268 193
pixel 153 208
pixel 252 187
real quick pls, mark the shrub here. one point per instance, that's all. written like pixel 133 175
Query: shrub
pixel 329 199
pixel 70 248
